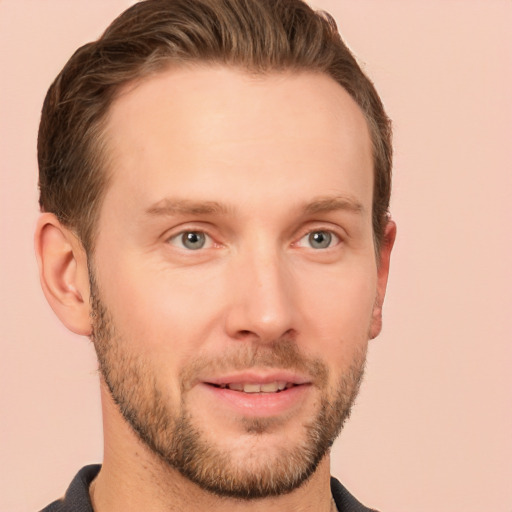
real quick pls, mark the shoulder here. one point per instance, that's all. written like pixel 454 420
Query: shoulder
pixel 76 498
pixel 345 502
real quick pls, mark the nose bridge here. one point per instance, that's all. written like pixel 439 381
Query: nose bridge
pixel 262 303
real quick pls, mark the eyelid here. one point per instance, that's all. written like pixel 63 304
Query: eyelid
pixel 175 239
pixel 335 233
pixel 191 226
pixel 177 232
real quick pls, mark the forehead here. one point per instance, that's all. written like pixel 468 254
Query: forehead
pixel 182 130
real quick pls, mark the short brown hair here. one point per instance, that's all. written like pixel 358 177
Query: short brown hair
pixel 256 35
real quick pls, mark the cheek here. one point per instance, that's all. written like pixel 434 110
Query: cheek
pixel 337 308
pixel 164 315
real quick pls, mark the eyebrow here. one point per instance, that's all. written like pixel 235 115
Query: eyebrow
pixel 169 206
pixel 328 204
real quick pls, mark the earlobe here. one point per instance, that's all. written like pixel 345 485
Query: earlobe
pixel 63 273
pixel 382 277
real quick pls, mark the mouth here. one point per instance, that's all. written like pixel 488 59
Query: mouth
pixel 257 393
pixel 255 387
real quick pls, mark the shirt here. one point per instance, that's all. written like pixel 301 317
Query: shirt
pixel 77 497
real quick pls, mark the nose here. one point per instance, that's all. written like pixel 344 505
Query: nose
pixel 262 300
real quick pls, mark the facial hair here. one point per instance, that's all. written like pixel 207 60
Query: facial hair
pixel 172 435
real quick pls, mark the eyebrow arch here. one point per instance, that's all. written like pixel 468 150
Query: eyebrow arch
pixel 170 207
pixel 327 204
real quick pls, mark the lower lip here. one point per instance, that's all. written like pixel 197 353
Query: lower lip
pixel 259 404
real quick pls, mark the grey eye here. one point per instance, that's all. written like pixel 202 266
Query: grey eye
pixel 320 239
pixel 193 240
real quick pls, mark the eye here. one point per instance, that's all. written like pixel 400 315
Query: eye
pixel 319 239
pixel 191 240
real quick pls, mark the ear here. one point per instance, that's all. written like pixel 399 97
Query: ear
pixel 63 273
pixel 382 277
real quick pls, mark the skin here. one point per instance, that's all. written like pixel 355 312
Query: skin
pixel 281 156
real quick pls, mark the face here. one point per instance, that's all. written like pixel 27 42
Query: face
pixel 234 275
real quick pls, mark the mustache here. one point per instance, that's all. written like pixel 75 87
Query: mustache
pixel 283 354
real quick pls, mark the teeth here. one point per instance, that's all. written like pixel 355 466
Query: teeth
pixel 270 387
pixel 252 388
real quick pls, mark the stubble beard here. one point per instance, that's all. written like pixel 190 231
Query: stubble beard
pixel 174 438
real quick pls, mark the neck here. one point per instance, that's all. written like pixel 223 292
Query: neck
pixel 133 478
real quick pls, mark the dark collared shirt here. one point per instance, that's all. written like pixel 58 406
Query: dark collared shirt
pixel 77 497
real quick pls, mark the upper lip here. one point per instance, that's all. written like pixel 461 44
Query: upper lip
pixel 258 377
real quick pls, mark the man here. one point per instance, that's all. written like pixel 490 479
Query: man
pixel 215 181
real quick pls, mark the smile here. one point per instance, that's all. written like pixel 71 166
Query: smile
pixel 250 387
pixel 257 393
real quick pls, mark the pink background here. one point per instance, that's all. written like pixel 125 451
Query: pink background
pixel 432 428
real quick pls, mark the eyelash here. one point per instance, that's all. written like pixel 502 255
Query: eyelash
pixel 178 240
pixel 333 238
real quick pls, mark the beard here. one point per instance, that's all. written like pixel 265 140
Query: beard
pixel 172 435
